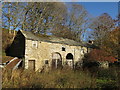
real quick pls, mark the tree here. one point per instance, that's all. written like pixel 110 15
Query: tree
pixel 37 17
pixel 77 20
pixel 75 23
pixel 101 26
pixel 43 16
pixel 12 15
pixel 111 42
pixel 63 31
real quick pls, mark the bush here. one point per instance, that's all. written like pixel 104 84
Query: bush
pixel 108 77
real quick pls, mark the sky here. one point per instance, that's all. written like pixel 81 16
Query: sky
pixel 98 8
pixel 86 0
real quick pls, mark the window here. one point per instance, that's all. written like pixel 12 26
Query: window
pixel 63 49
pixel 46 61
pixel 34 44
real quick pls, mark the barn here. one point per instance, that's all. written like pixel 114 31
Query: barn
pixel 39 51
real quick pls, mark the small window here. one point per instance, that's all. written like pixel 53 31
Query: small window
pixel 34 44
pixel 63 49
pixel 46 61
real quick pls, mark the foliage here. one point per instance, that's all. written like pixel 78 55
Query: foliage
pixel 6 38
pixel 6 42
pixel 108 78
pixel 111 42
pixel 101 25
pixel 99 55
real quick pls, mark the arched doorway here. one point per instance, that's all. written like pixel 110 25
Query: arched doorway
pixel 56 60
pixel 69 60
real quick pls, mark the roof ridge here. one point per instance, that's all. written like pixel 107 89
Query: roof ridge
pixel 53 39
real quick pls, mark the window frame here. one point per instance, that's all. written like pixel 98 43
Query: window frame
pixel 34 44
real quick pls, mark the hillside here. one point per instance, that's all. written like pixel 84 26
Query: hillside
pixel 7 39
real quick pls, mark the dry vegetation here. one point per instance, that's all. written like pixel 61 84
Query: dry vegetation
pixel 65 78
pixel 52 79
pixel 6 41
pixel 6 38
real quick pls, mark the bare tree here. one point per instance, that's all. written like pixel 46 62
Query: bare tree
pixel 12 15
pixel 42 17
pixel 63 31
pixel 77 20
pixel 101 26
pixel 75 24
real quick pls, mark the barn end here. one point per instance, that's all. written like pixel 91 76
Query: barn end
pixel 17 48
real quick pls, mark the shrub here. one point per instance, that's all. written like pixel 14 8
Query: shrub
pixel 98 55
pixel 108 77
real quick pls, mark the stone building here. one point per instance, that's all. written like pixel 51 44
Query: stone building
pixel 38 51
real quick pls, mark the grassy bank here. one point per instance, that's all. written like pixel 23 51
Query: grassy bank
pixel 52 79
pixel 103 78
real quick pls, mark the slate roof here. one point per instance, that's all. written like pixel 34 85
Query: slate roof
pixel 52 39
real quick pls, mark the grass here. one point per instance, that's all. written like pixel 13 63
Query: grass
pixel 106 83
pixel 108 78
pixel 51 79
pixel 65 78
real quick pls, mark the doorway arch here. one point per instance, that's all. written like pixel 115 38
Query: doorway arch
pixel 69 56
pixel 56 60
pixel 69 60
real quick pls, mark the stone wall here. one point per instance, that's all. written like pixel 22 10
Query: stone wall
pixel 43 51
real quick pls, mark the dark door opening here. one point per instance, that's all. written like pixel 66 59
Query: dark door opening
pixel 56 60
pixel 69 60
